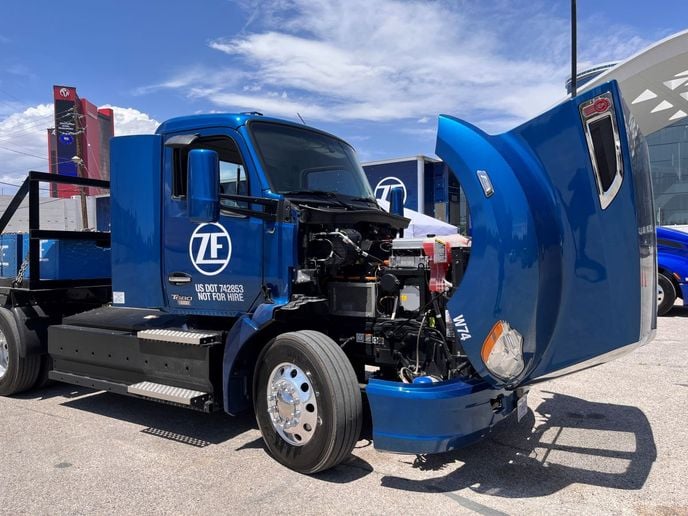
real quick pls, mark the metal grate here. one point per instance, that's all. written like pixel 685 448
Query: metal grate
pixel 179 336
pixel 165 392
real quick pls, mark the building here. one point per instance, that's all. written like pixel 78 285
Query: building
pixel 428 187
pixel 587 75
pixel 79 143
pixel 669 164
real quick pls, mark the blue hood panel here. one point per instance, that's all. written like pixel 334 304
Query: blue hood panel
pixel 576 278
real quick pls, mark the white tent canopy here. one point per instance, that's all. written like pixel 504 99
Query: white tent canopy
pixel 422 225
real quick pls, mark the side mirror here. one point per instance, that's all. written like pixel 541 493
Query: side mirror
pixel 203 180
pixel 396 201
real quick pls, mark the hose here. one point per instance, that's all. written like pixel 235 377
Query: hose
pixel 420 330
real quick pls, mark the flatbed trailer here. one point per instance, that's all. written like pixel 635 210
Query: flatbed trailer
pixel 31 303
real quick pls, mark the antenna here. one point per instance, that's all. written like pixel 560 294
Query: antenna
pixel 301 118
pixel 573 48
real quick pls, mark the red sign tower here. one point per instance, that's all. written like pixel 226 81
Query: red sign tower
pixel 79 144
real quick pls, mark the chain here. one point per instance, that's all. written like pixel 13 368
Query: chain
pixel 20 273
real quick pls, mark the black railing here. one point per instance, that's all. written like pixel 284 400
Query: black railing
pixel 36 234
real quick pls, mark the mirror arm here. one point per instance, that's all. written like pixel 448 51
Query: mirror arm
pixel 277 210
pixel 250 199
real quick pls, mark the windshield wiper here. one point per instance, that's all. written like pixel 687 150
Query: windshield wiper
pixel 318 193
pixel 363 199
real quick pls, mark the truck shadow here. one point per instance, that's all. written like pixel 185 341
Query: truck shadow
pixel 168 422
pixel 565 441
pixel 54 390
pixel 182 425
pixel 678 310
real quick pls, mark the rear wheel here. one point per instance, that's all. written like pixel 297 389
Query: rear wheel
pixel 17 373
pixel 307 401
pixel 666 294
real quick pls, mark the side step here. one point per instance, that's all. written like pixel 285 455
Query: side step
pixel 169 393
pixel 180 396
pixel 195 338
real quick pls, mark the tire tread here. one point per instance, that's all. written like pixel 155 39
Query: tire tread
pixel 669 294
pixel 348 391
pixel 336 370
pixel 24 376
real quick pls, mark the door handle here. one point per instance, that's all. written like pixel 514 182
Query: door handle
pixel 179 278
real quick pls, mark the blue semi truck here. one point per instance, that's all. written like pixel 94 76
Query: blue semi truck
pixel 251 269
pixel 672 268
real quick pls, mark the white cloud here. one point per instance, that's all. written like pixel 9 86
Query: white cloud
pixel 185 80
pixel 610 44
pixel 132 121
pixel 24 140
pixel 426 132
pixel 390 59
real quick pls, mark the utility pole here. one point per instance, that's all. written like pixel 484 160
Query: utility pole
pixel 82 191
pixel 80 167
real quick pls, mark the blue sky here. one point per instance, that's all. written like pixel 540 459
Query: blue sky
pixel 376 72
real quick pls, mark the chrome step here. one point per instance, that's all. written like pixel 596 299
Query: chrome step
pixel 169 393
pixel 197 338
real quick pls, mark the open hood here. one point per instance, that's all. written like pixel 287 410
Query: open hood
pixel 563 237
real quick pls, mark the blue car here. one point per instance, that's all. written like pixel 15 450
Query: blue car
pixel 672 268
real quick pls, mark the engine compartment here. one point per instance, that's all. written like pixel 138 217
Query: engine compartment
pixel 386 297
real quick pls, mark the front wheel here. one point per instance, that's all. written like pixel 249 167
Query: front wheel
pixel 307 401
pixel 666 294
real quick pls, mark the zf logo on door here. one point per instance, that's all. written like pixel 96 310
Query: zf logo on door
pixel 210 249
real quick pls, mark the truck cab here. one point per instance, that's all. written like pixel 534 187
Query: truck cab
pixel 252 269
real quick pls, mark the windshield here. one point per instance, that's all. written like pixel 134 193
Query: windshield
pixel 299 160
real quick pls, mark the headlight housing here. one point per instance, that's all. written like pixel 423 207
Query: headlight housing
pixel 502 351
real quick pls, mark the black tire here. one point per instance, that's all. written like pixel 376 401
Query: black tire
pixel 42 379
pixel 666 294
pixel 19 373
pixel 336 393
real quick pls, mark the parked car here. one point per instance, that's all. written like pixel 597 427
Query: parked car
pixel 672 268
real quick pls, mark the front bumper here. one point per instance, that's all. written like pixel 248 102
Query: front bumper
pixel 437 417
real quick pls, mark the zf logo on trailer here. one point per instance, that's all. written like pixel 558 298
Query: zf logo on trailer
pixel 385 185
pixel 210 249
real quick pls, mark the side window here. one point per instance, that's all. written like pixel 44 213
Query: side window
pixel 233 182
pixel 179 173
pixel 233 177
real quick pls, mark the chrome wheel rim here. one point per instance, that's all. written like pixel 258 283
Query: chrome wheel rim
pixel 660 294
pixel 4 355
pixel 292 405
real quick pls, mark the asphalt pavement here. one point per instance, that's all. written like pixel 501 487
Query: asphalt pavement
pixel 609 440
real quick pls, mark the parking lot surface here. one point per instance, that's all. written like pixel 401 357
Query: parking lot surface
pixel 611 439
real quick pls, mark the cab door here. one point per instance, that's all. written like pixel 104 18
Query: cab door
pixel 211 268
pixel 562 273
